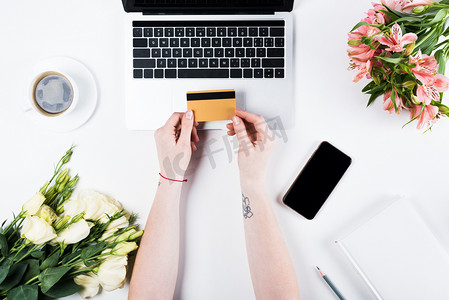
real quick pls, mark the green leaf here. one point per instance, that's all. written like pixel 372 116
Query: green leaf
pixel 440 16
pixel 24 292
pixel 15 274
pixel 4 269
pixel 369 86
pixel 391 59
pixel 392 16
pixel 33 269
pixel 50 261
pixel 38 254
pixel 92 251
pixel 70 256
pixel 441 60
pixel 3 245
pixel 64 288
pixel 49 277
pixel 359 24
pixel 373 97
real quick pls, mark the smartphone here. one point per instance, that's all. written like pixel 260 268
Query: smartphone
pixel 317 180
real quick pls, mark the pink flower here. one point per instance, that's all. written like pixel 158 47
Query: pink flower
pixel 395 40
pixel 393 4
pixel 409 5
pixel 427 115
pixel 362 68
pixel 361 52
pixel 426 67
pixel 389 105
pixel 428 92
pixel 375 16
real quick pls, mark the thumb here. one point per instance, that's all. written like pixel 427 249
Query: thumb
pixel 186 127
pixel 240 131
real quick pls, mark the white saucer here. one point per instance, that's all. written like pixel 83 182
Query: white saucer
pixel 87 90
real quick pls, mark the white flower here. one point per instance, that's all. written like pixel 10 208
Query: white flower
pixel 119 223
pixel 123 248
pixel 95 206
pixel 47 213
pixel 74 233
pixel 90 284
pixel 32 206
pixel 37 230
pixel 112 272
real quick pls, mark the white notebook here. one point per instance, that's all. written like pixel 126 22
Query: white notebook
pixel 398 256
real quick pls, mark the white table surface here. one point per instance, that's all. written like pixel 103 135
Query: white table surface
pixel 387 160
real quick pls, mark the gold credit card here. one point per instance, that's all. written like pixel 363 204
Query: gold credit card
pixel 212 105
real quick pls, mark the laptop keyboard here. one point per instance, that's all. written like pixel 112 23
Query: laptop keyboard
pixel 208 49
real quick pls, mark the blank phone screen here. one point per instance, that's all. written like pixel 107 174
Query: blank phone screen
pixel 317 180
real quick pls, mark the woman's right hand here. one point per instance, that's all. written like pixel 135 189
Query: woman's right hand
pixel 256 142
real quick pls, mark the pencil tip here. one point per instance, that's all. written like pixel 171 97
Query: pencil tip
pixel 317 268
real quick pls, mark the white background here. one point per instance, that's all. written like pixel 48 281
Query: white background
pixel 387 160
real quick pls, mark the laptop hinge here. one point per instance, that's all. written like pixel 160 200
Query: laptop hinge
pixel 208 12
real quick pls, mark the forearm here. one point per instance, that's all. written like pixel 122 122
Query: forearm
pixel 156 267
pixel 271 267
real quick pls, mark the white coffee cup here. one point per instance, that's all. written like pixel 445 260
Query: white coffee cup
pixel 53 94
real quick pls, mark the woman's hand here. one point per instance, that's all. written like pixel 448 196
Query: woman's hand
pixel 175 142
pixel 256 142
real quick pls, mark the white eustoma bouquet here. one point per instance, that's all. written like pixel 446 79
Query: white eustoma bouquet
pixel 59 245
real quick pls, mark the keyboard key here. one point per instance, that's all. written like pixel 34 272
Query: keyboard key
pixel 263 31
pixel 242 31
pixel 250 52
pixel 261 52
pixel 235 63
pixel 232 31
pixel 153 43
pixel 205 42
pixel 159 73
pixel 247 73
pixel 197 52
pixel 158 32
pixel 140 42
pixel 171 63
pixel 245 62
pixel 182 63
pixel 148 73
pixel 253 31
pixel 163 42
pixel 273 62
pixel 224 63
pixel 236 73
pixel 190 32
pixel 208 52
pixel 187 52
pixel 275 52
pixel 229 52
pixel 201 31
pixel 216 42
pixel 174 42
pixel 148 32
pixel 170 73
pixel 141 52
pixel 166 52
pixel 195 42
pixel 204 63
pixel 203 73
pixel 258 42
pixel 279 73
pixel 237 42
pixel 268 73
pixel 193 63
pixel 138 73
pixel 269 42
pixel 279 42
pixel 240 52
pixel 258 73
pixel 177 52
pixel 221 31
pixel 185 42
pixel 155 52
pixel 162 63
pixel 179 32
pixel 226 42
pixel 277 32
pixel 137 32
pixel 219 52
pixel 211 31
pixel 247 42
pixel 213 62
pixel 169 32
pixel 255 62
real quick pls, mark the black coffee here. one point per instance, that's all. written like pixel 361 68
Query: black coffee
pixel 53 94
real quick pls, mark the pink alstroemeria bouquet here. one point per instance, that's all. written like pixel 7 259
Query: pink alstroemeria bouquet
pixel 398 47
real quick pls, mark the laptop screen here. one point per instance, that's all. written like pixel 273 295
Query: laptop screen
pixel 207 6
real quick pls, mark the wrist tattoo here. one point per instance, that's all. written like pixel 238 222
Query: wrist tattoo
pixel 247 213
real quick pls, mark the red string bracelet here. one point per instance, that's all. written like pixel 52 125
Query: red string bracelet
pixel 184 180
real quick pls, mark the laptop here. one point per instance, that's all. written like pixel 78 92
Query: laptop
pixel 177 46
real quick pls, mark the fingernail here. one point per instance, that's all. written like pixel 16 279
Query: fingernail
pixel 236 120
pixel 189 115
